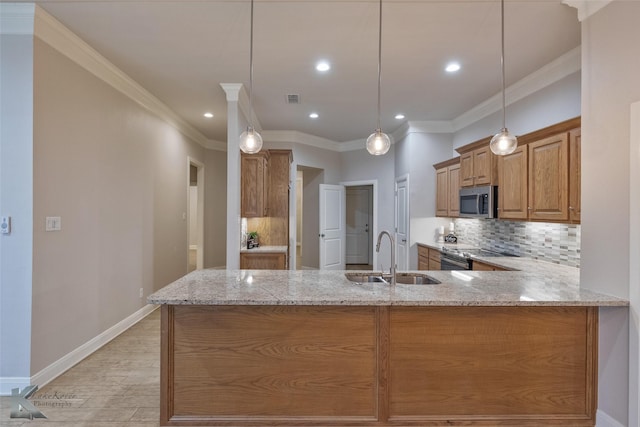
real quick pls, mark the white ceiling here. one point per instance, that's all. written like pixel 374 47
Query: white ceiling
pixel 182 50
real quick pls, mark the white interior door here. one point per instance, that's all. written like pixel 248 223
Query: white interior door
pixel 402 222
pixel 358 225
pixel 332 227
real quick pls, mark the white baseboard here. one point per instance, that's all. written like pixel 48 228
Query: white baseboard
pixel 61 365
pixel 7 383
pixel 604 420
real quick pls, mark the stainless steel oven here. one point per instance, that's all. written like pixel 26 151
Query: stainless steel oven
pixel 449 261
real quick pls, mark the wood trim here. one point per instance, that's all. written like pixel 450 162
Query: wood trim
pixel 447 163
pixel 552 130
pixel 527 138
pixel 166 363
pixel 383 363
pixel 473 145
pixel 592 362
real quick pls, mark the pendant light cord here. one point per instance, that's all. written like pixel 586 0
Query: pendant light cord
pixel 379 58
pixel 504 114
pixel 251 70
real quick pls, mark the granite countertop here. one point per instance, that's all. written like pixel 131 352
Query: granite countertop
pixel 558 287
pixel 269 249
pixel 514 263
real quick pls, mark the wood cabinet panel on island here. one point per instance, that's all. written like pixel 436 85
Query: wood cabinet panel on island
pixel 298 365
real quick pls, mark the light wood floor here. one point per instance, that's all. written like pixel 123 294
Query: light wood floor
pixel 117 386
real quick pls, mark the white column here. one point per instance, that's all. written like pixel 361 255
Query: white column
pixel 235 122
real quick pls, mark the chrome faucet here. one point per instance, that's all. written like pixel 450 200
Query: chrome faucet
pixel 393 255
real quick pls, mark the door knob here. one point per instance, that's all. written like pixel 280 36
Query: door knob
pixel 321 235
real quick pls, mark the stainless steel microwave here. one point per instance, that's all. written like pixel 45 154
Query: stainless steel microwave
pixel 479 202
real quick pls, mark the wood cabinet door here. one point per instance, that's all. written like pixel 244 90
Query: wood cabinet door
pixel 481 266
pixel 423 258
pixel 466 169
pixel 575 200
pixel 482 166
pixel 252 182
pixel 454 190
pixel 442 192
pixel 263 261
pixel 549 179
pixel 512 184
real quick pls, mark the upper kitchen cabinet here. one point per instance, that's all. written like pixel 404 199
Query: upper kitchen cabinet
pixel 254 183
pixel 478 165
pixel 513 184
pixel 549 179
pixel 540 181
pixel 448 188
pixel 575 202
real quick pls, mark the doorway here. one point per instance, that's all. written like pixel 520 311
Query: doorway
pixel 359 222
pixel 308 180
pixel 195 215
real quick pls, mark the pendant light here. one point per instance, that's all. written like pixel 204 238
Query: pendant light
pixel 250 140
pixel 503 142
pixel 378 142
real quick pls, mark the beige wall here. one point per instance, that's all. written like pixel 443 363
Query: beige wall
pixel 610 84
pixel 215 209
pixel 117 176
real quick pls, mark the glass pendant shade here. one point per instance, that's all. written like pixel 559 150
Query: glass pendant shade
pixel 250 141
pixel 378 143
pixel 503 143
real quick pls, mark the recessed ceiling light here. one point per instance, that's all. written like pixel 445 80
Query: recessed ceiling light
pixel 323 66
pixel 452 67
pixel 399 116
pixel 313 115
pixel 208 115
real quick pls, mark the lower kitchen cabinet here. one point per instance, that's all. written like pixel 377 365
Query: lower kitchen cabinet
pixel 428 258
pixel 481 266
pixel 263 261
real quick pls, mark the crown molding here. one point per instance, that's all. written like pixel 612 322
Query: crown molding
pixel 554 71
pixel 17 18
pixel 215 145
pixel 586 8
pixel 59 37
pixel 293 136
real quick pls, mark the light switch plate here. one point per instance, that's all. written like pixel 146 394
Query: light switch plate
pixel 54 223
pixel 5 224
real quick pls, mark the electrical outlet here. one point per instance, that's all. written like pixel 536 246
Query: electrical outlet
pixel 141 292
pixel 5 225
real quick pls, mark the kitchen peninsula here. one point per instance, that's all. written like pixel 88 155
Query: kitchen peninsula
pixel 249 348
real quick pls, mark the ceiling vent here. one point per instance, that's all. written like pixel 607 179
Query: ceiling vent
pixel 293 98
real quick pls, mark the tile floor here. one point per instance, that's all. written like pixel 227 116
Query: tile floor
pixel 117 386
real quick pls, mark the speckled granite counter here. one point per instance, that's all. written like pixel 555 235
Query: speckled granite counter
pixel 265 249
pixel 523 264
pixel 548 285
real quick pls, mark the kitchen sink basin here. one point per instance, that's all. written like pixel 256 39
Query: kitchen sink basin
pixel 368 277
pixel 415 279
pixel 401 278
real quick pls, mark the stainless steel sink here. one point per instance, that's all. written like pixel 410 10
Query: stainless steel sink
pixel 368 277
pixel 401 278
pixel 415 279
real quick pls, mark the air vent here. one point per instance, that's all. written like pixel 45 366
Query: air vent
pixel 293 98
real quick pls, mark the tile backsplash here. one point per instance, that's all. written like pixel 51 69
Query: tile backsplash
pixel 558 243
